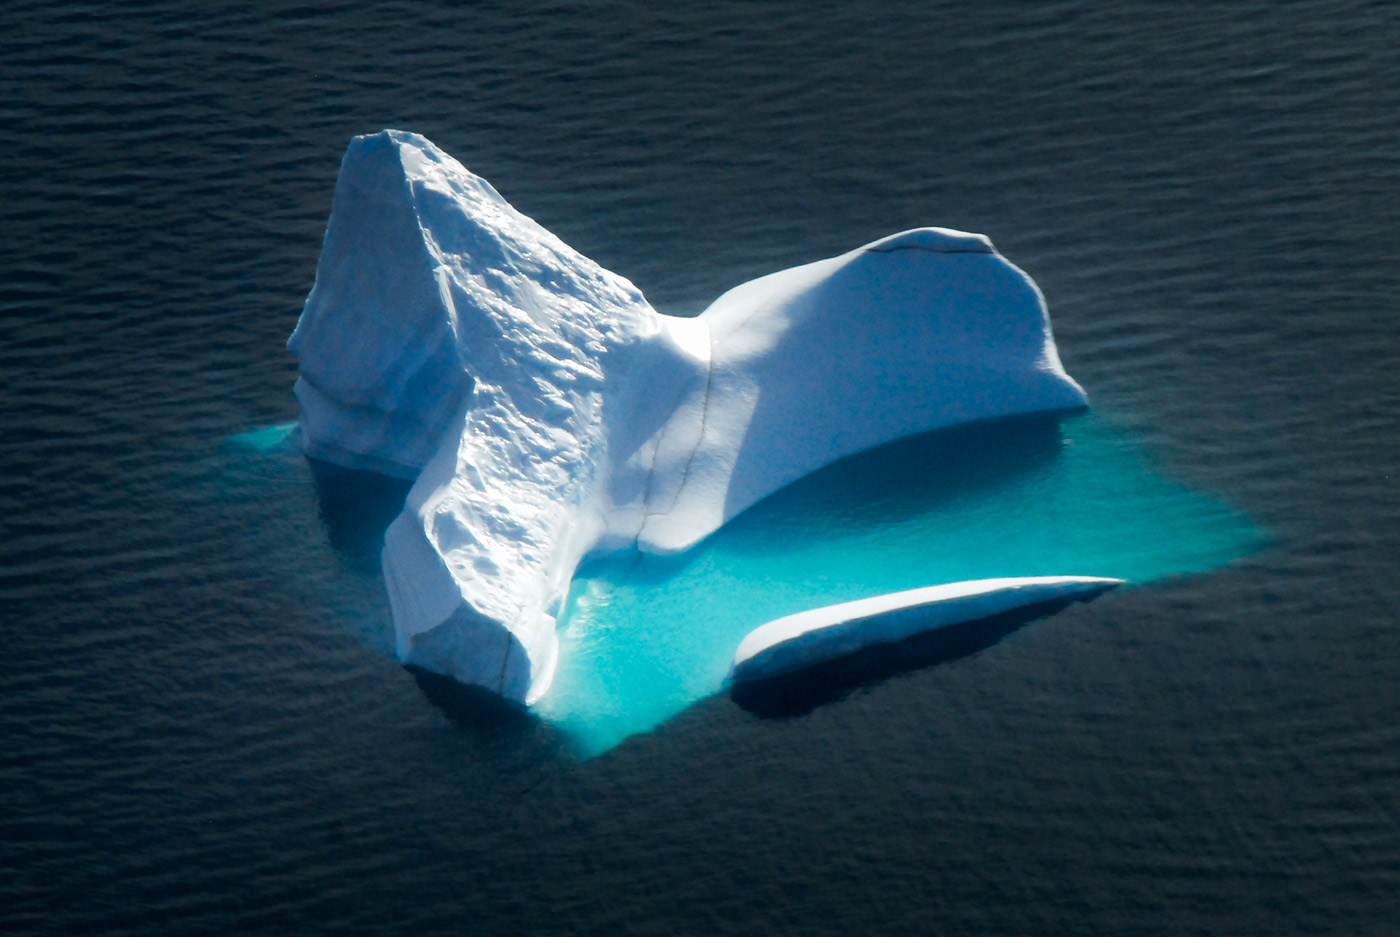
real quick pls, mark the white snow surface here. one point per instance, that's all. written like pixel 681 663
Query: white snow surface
pixel 821 634
pixel 549 413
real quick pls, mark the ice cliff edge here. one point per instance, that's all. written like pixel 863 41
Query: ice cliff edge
pixel 548 412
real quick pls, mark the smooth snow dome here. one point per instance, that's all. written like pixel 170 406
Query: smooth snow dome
pixel 645 637
pixel 548 413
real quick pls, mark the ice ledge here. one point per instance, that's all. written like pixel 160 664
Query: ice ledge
pixel 550 413
pixel 819 635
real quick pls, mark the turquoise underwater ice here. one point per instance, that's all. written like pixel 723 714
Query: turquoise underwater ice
pixel 265 439
pixel 643 637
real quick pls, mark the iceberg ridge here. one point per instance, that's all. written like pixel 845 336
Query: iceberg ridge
pixel 549 413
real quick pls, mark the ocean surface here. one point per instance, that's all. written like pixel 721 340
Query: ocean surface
pixel 200 730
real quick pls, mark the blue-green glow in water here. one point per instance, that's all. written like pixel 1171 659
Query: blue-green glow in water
pixel 265 439
pixel 644 637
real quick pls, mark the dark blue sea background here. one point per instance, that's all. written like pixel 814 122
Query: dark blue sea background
pixel 199 731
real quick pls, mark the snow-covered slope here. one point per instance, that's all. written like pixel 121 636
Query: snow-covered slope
pixel 548 412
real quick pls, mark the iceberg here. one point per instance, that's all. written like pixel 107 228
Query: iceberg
pixel 547 413
pixel 818 635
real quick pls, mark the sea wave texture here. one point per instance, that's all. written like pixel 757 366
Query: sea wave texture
pixel 195 738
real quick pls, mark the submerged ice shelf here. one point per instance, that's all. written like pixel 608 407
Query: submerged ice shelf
pixel 549 414
pixel 643 637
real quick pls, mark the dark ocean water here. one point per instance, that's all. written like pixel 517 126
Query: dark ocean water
pixel 197 734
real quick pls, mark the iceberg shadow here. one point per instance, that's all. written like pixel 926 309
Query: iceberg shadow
pixel 357 506
pixel 798 692
pixel 471 706
pixel 883 486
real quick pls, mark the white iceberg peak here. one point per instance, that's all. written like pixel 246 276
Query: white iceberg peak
pixel 548 412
